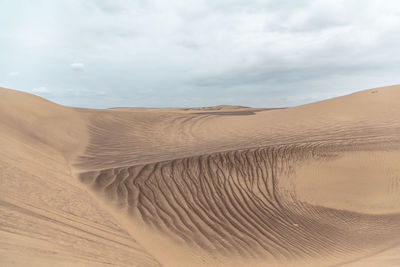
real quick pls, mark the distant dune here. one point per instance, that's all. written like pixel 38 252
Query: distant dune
pixel 312 185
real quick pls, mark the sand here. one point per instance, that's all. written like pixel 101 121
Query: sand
pixel 312 185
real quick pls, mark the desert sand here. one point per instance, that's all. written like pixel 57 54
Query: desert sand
pixel 311 185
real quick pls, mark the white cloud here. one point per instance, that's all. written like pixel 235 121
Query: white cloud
pixel 14 73
pixel 41 89
pixel 77 66
pixel 260 51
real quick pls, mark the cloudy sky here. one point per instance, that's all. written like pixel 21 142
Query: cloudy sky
pixel 262 53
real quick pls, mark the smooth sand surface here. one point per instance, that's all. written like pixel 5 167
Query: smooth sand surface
pixel 312 185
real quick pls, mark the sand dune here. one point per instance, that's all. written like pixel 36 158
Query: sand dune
pixel 312 185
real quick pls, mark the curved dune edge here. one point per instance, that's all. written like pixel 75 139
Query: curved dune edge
pixel 234 204
pixel 314 185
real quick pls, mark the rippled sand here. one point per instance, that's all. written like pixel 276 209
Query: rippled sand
pixel 312 185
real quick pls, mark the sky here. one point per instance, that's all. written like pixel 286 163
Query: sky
pixel 181 53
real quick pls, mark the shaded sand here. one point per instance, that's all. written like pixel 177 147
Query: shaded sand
pixel 313 185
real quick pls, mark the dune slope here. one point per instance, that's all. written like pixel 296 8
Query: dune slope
pixel 317 184
pixel 46 217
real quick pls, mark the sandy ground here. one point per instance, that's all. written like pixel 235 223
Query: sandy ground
pixel 312 185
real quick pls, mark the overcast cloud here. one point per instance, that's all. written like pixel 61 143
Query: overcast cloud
pixel 262 53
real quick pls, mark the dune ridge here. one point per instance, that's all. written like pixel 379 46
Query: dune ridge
pixel 233 203
pixel 47 218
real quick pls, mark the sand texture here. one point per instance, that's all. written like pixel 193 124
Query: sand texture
pixel 312 185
